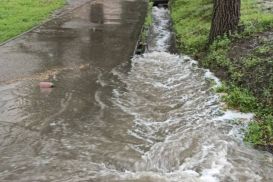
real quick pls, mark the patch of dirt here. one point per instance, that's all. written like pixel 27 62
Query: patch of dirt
pixel 258 78
pixel 268 148
pixel 244 47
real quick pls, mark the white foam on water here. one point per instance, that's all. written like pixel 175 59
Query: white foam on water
pixel 177 117
pixel 211 76
pixel 160 28
pixel 233 115
pixel 182 132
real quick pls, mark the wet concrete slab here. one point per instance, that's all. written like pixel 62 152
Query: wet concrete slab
pixel 77 51
pixel 98 32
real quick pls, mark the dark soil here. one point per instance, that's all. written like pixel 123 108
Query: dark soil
pixel 253 57
pixel 244 47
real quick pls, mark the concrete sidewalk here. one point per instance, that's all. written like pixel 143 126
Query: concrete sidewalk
pixel 77 51
pixel 102 33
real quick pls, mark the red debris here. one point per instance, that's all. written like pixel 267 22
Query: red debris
pixel 46 84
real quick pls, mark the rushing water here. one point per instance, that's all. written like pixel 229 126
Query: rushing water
pixel 155 119
pixel 182 132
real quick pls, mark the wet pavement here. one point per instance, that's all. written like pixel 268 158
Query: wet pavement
pixel 101 33
pixel 74 50
pixel 152 118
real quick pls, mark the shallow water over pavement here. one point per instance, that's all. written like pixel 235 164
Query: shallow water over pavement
pixel 153 119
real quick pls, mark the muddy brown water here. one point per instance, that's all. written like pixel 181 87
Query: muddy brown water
pixel 153 118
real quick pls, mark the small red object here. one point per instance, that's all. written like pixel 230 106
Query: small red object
pixel 46 84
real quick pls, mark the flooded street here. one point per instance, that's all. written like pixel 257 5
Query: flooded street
pixel 154 118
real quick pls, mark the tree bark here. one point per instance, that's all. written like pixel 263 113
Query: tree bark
pixel 225 19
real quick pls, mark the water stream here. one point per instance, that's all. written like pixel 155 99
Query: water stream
pixel 181 130
pixel 155 119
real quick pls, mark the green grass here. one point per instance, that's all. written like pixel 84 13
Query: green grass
pixel 17 16
pixel 253 18
pixel 147 23
pixel 260 133
pixel 192 21
pixel 149 19
pixel 239 98
pixel 249 78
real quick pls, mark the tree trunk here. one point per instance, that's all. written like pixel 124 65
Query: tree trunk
pixel 226 17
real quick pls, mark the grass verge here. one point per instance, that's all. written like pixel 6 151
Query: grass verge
pixel 147 23
pixel 17 16
pixel 244 61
